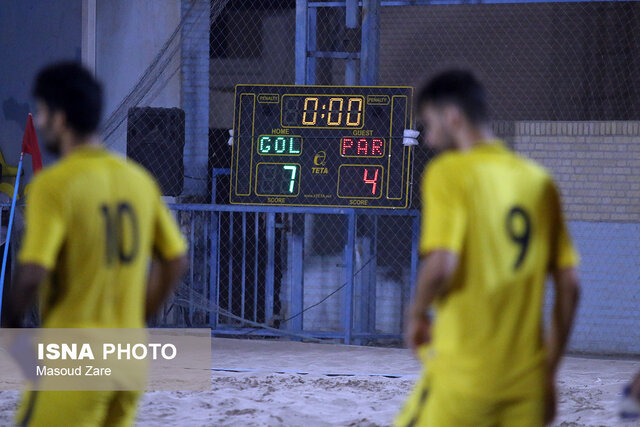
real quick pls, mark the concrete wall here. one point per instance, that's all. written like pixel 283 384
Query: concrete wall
pixel 32 34
pixel 195 93
pixel 608 315
pixel 129 35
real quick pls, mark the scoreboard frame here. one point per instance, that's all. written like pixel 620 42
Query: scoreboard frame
pixel 312 138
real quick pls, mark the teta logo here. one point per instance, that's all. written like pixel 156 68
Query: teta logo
pixel 320 158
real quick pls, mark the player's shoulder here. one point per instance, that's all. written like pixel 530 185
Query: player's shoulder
pixel 51 183
pixel 445 169
pixel 136 174
pixel 50 177
pixel 439 171
pixel 68 170
pixel 445 163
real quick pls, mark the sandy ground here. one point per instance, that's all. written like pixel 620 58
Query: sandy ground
pixel 281 383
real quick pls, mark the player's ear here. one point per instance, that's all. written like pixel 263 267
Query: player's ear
pixel 58 120
pixel 451 116
pixel 41 115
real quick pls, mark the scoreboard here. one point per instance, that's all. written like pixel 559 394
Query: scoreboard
pixel 321 146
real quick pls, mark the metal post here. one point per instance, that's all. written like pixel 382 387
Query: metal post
pixel 311 61
pixel 256 231
pixel 214 274
pixel 230 265
pixel 88 48
pixel 351 13
pixel 244 263
pixel 192 250
pixel 372 277
pixel 270 270
pixel 301 50
pixel 351 18
pixel 297 271
pixel 306 31
pixel 369 59
pixel 365 280
pixel 347 319
pixel 213 249
pixel 203 282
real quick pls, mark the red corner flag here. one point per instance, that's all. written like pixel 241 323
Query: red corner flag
pixel 30 145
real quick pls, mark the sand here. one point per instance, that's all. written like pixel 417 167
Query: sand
pixel 282 383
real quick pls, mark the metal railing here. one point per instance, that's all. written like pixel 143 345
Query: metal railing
pixel 249 264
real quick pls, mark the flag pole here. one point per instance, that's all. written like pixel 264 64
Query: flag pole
pixel 8 238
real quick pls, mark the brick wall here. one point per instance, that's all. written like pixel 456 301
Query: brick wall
pixel 597 165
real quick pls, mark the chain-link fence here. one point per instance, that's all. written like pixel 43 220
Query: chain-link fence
pixel 560 78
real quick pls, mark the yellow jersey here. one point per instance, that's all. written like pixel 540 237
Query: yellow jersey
pixel 93 220
pixel 502 215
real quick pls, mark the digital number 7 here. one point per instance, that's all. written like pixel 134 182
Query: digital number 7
pixel 292 182
pixel 373 181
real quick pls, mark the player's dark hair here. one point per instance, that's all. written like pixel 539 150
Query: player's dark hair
pixel 459 88
pixel 69 87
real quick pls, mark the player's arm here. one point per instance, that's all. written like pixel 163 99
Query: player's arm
pixel 567 290
pixel 45 227
pixel 564 260
pixel 169 262
pixel 443 230
pixel 23 293
pixel 164 275
pixel 434 275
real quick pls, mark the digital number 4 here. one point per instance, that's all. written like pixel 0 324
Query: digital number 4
pixel 373 181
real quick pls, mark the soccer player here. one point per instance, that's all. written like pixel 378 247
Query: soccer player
pixel 94 221
pixel 492 230
pixel 630 403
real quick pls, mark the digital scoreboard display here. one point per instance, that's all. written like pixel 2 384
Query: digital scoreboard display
pixel 321 146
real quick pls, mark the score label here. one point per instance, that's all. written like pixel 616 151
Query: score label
pixel 321 146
